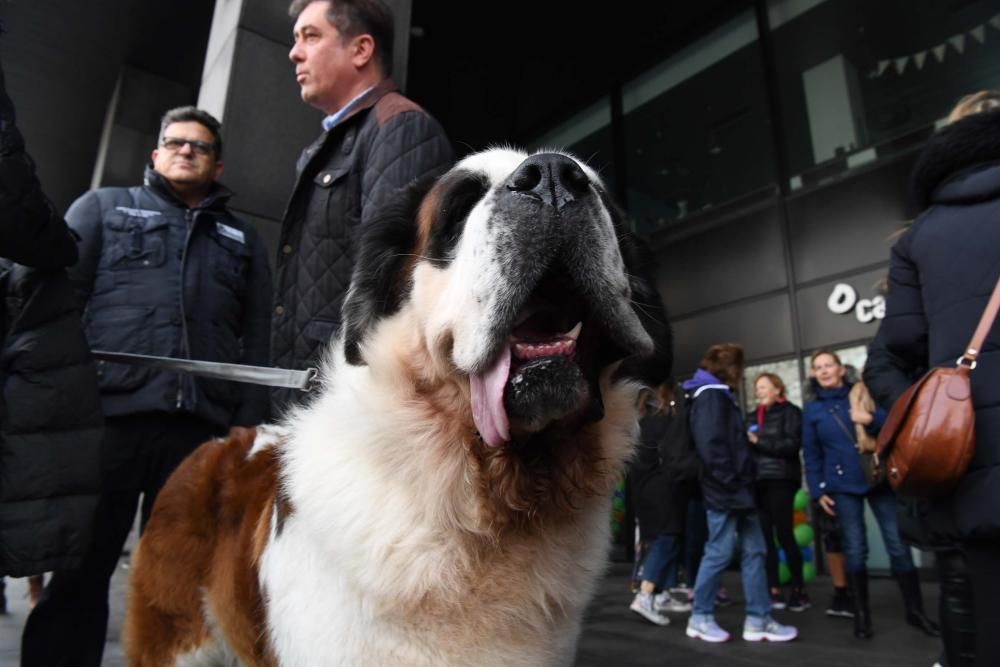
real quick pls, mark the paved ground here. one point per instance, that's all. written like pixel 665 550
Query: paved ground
pixel 613 636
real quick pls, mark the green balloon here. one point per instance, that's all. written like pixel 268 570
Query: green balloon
pixel 808 571
pixel 618 503
pixel 803 534
pixel 784 574
pixel 801 501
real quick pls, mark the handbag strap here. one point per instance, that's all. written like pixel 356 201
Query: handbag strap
pixel 985 324
pixel 852 436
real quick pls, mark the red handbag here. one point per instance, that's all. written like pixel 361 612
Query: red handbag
pixel 928 438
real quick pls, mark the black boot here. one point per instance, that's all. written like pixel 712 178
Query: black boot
pixel 858 582
pixel 958 620
pixel 909 584
pixel 3 597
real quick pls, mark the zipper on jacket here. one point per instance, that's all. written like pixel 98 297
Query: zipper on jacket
pixel 190 216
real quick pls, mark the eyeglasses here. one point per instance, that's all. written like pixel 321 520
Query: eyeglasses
pixel 174 144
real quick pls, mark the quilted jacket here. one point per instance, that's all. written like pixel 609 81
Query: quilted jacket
pixel 354 167
pixel 50 411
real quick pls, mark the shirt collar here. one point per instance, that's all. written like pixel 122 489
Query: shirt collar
pixel 334 118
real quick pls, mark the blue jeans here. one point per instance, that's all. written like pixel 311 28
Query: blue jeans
pixel 850 509
pixel 660 563
pixel 725 529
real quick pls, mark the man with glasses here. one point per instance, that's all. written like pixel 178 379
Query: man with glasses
pixel 165 269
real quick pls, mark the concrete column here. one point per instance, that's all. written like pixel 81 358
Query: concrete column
pixel 132 125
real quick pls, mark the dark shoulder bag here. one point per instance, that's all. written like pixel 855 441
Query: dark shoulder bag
pixel 869 460
pixel 929 436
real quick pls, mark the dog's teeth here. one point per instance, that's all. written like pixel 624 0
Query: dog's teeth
pixel 574 333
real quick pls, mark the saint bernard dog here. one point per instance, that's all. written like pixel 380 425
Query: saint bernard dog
pixel 444 499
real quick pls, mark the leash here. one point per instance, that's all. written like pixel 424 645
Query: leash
pixel 271 377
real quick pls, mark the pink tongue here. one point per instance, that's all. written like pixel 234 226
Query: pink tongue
pixel 487 400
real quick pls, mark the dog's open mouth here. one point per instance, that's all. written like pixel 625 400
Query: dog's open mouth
pixel 547 370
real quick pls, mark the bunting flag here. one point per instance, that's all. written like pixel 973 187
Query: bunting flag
pixel 956 41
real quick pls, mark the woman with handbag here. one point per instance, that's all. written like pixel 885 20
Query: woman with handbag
pixel 942 272
pixel 836 480
pixel 775 435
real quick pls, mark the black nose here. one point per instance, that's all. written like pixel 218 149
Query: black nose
pixel 551 178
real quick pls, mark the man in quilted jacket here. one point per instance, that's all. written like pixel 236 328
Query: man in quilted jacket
pixel 374 142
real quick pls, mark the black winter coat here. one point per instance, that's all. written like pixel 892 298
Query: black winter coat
pixel 156 277
pixel 779 445
pixel 50 415
pixel 720 437
pixel 942 272
pixel 664 473
pixel 352 170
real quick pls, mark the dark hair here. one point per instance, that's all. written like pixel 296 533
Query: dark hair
pixel 359 17
pixel 774 379
pixel 724 361
pixel 188 114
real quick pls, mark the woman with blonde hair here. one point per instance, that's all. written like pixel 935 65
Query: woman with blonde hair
pixel 941 274
pixel 836 480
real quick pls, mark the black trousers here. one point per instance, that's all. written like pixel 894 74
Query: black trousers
pixel 983 567
pixel 775 501
pixel 67 627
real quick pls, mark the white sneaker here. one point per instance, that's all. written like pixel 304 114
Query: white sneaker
pixel 706 629
pixel 680 590
pixel 768 629
pixel 664 602
pixel 644 606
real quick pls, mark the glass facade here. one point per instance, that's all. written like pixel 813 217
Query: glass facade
pixel 857 81
pixel 696 129
pixel 860 80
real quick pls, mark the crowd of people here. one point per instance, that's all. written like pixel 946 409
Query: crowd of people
pixel 943 270
pixel 165 268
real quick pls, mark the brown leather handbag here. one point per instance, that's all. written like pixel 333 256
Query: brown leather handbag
pixel 929 436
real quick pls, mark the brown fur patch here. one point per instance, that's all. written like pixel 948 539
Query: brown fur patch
pixel 200 549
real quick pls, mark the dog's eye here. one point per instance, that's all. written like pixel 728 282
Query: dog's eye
pixel 455 207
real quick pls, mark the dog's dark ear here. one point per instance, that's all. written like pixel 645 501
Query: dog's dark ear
pixel 640 262
pixel 381 279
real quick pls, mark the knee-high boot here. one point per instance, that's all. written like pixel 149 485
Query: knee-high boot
pixel 909 584
pixel 858 582
pixel 958 622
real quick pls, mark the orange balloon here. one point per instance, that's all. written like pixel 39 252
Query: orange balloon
pixel 799 517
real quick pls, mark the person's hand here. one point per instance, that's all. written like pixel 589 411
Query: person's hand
pixel 827 503
pixel 860 416
pixel 752 437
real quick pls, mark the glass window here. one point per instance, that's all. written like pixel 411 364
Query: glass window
pixel 588 136
pixel 863 79
pixel 696 128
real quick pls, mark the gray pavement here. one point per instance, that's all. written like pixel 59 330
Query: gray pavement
pixel 613 636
